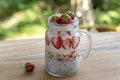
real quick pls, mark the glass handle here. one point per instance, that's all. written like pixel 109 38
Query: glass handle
pixel 89 43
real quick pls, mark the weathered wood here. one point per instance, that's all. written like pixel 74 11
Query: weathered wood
pixel 102 64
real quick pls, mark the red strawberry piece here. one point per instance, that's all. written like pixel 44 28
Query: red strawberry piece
pixel 47 40
pixel 29 67
pixel 55 19
pixel 66 44
pixel 68 32
pixel 71 13
pixel 56 41
pixel 75 56
pixel 75 41
pixel 71 56
pixel 59 57
pixel 73 52
pixel 65 19
pixel 66 57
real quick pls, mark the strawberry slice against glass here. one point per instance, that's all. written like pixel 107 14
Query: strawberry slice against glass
pixel 75 41
pixel 47 40
pixel 68 32
pixel 56 41
pixel 66 44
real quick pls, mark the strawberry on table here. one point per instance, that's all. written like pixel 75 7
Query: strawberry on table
pixel 29 67
pixel 68 32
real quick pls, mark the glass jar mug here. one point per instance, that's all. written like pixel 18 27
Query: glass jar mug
pixel 63 50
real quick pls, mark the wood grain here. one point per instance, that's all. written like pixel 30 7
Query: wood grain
pixel 102 63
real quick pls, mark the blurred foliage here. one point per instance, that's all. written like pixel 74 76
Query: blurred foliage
pixel 26 18
pixel 107 12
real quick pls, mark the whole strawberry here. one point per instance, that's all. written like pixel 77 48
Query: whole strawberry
pixel 29 67
pixel 71 13
pixel 65 18
pixel 55 19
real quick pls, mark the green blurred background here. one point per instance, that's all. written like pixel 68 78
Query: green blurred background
pixel 21 19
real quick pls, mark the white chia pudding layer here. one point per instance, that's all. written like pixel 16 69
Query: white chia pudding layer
pixel 62 67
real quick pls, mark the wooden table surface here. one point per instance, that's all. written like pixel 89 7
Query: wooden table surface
pixel 103 62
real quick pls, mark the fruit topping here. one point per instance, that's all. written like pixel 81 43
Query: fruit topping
pixel 29 67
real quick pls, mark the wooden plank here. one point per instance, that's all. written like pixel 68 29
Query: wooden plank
pixel 96 67
pixel 102 63
pixel 21 47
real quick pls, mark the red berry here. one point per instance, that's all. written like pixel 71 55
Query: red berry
pixel 47 40
pixel 66 44
pixel 65 19
pixel 72 14
pixel 56 41
pixel 68 32
pixel 75 41
pixel 29 67
pixel 55 19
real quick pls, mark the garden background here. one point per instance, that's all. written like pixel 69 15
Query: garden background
pixel 21 19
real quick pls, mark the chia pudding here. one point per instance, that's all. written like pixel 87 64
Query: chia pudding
pixel 62 41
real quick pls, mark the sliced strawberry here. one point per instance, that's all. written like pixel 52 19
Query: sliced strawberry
pixel 75 56
pixel 73 52
pixel 47 40
pixel 65 19
pixel 66 57
pixel 55 19
pixel 56 41
pixel 68 32
pixel 75 41
pixel 66 44
pixel 71 56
